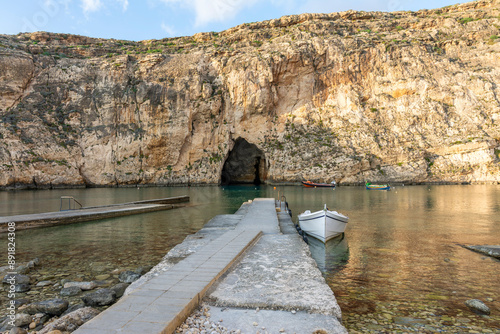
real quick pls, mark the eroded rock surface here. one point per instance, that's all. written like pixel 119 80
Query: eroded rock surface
pixel 350 96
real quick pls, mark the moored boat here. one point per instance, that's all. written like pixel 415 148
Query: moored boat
pixel 311 184
pixel 324 224
pixel 370 186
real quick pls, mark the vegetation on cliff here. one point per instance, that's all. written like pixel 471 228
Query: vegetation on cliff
pixel 402 96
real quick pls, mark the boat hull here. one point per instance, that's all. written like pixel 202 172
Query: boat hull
pixel 323 225
pixel 318 185
pixel 378 187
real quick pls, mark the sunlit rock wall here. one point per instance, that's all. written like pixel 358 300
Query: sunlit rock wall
pixel 351 96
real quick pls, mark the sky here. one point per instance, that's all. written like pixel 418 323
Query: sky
pixel 156 19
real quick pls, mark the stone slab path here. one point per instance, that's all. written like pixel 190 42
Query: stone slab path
pixel 161 304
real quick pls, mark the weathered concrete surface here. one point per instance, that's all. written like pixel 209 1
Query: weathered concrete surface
pixel 163 302
pixel 493 251
pixel 216 227
pixel 277 287
pixel 253 321
pixel 46 219
pixel 257 216
pixel 286 223
pixel 278 273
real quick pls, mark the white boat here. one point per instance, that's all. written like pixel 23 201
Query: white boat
pixel 324 224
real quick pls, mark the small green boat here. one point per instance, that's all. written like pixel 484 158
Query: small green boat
pixel 370 186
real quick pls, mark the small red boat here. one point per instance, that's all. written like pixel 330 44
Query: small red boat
pixel 311 184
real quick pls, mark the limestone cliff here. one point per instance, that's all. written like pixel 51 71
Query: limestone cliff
pixel 350 96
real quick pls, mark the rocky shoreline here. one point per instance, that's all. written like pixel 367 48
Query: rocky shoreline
pixel 52 303
pixel 194 184
pixel 493 251
pixel 47 302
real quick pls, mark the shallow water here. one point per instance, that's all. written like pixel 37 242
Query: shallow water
pixel 401 258
pixel 401 263
pixel 132 241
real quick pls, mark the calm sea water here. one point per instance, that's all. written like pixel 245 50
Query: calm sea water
pixel 401 255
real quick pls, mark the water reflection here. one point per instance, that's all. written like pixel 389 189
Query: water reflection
pixel 332 255
pixel 403 254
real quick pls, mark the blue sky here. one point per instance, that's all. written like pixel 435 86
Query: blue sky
pixel 155 19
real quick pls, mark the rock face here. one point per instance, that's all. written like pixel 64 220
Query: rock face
pixel 350 96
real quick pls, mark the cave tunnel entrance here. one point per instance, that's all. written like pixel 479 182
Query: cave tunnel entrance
pixel 245 164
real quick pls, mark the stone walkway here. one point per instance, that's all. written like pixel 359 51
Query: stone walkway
pixel 164 302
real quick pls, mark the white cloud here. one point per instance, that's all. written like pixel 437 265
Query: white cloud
pixel 208 11
pixel 217 10
pixel 124 4
pixel 91 5
pixel 168 29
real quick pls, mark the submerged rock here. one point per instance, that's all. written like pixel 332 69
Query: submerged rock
pixel 41 318
pixel 73 308
pixel 143 270
pixel 82 285
pixel 22 287
pixel 119 289
pixel 20 302
pixel 22 319
pixel 71 321
pixel 44 283
pixel 128 276
pixel 16 278
pixel 70 291
pixel 52 306
pixel 493 251
pixel 17 330
pixel 100 297
pixel 477 306
pixel 23 269
pixel 102 277
pixel 33 263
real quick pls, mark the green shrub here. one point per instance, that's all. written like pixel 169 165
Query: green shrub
pixel 466 20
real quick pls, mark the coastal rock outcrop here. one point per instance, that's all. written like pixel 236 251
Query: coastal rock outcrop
pixel 350 96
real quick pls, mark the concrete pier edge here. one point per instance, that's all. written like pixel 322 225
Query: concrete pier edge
pixel 85 214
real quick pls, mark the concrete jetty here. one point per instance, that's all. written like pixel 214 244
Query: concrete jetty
pixel 490 250
pixel 90 213
pixel 251 268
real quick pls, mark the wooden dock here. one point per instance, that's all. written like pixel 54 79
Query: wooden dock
pixel 90 213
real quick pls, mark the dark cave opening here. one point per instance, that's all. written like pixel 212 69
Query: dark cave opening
pixel 245 164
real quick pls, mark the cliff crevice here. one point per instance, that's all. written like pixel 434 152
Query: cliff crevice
pixel 350 96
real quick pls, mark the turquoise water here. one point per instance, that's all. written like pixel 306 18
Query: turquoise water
pixel 401 256
pixel 126 242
